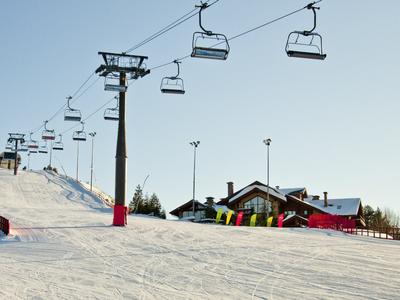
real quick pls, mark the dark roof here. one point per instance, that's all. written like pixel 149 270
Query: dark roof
pixel 188 204
pixel 226 201
pixel 301 202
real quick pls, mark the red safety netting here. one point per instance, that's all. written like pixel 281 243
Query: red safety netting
pixel 326 221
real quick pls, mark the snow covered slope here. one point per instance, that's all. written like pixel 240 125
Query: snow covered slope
pixel 64 247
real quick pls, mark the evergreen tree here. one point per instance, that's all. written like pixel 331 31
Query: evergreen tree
pixel 137 200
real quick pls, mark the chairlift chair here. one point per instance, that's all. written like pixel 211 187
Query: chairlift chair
pixel 32 144
pixel 48 134
pixel 174 84
pixel 72 114
pixel 112 114
pixel 9 146
pixel 306 44
pixel 23 148
pixel 79 135
pixel 111 83
pixel 43 148
pixel 58 145
pixel 207 44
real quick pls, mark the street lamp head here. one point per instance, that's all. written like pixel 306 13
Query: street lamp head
pixel 267 141
pixel 195 144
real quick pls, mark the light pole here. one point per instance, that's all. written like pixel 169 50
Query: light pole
pixel 267 142
pixel 195 144
pixel 77 161
pixel 92 134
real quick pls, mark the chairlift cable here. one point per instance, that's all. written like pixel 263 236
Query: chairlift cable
pixel 169 27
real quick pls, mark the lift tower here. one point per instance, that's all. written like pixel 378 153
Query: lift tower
pixel 16 138
pixel 117 69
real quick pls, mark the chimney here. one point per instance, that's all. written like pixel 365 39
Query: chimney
pixel 315 197
pixel 325 199
pixel 210 201
pixel 230 188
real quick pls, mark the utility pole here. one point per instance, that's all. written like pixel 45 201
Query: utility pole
pixel 16 138
pixel 92 134
pixel 195 144
pixel 51 152
pixel 267 142
pixel 117 69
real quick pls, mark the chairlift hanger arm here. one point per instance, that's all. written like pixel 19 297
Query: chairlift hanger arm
pixel 313 8
pixel 202 7
pixel 177 64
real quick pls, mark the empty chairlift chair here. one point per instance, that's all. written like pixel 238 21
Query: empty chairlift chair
pixel 48 134
pixel 23 147
pixel 72 114
pixel 207 44
pixel 58 145
pixel 9 146
pixel 32 144
pixel 306 44
pixel 112 84
pixel 80 135
pixel 174 84
pixel 43 148
pixel 112 114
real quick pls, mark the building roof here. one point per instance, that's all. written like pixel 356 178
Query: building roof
pixel 288 191
pixel 294 216
pixel 187 205
pixel 256 185
pixel 225 209
pixel 341 207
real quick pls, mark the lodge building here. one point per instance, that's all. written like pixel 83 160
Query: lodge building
pixel 295 203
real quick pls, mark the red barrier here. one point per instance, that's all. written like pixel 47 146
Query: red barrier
pixel 4 225
pixel 326 221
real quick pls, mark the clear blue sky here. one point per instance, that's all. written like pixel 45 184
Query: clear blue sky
pixel 334 124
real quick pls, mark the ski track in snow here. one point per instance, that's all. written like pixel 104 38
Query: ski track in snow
pixel 62 246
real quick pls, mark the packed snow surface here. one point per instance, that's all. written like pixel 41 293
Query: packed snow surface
pixel 63 247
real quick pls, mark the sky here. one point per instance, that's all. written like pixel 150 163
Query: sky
pixel 334 124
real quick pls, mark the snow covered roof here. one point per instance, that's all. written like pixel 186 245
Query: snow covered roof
pixel 225 209
pixel 288 191
pixel 260 186
pixel 292 216
pixel 341 207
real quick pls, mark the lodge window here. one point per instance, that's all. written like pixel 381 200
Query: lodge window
pixel 258 205
pixel 290 212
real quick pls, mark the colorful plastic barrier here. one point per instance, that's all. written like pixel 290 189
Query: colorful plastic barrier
pixel 327 221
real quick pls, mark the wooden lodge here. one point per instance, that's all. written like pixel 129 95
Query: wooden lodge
pixel 295 203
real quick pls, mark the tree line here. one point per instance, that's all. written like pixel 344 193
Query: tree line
pixel 376 218
pixel 145 204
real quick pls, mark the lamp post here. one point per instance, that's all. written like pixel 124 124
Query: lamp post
pixel 92 134
pixel 195 144
pixel 267 143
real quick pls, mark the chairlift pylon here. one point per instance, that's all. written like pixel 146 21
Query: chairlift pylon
pixel 48 134
pixel 72 114
pixel 32 144
pixel 307 43
pixel 112 84
pixel 58 145
pixel 80 135
pixel 173 84
pixel 207 44
pixel 112 114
